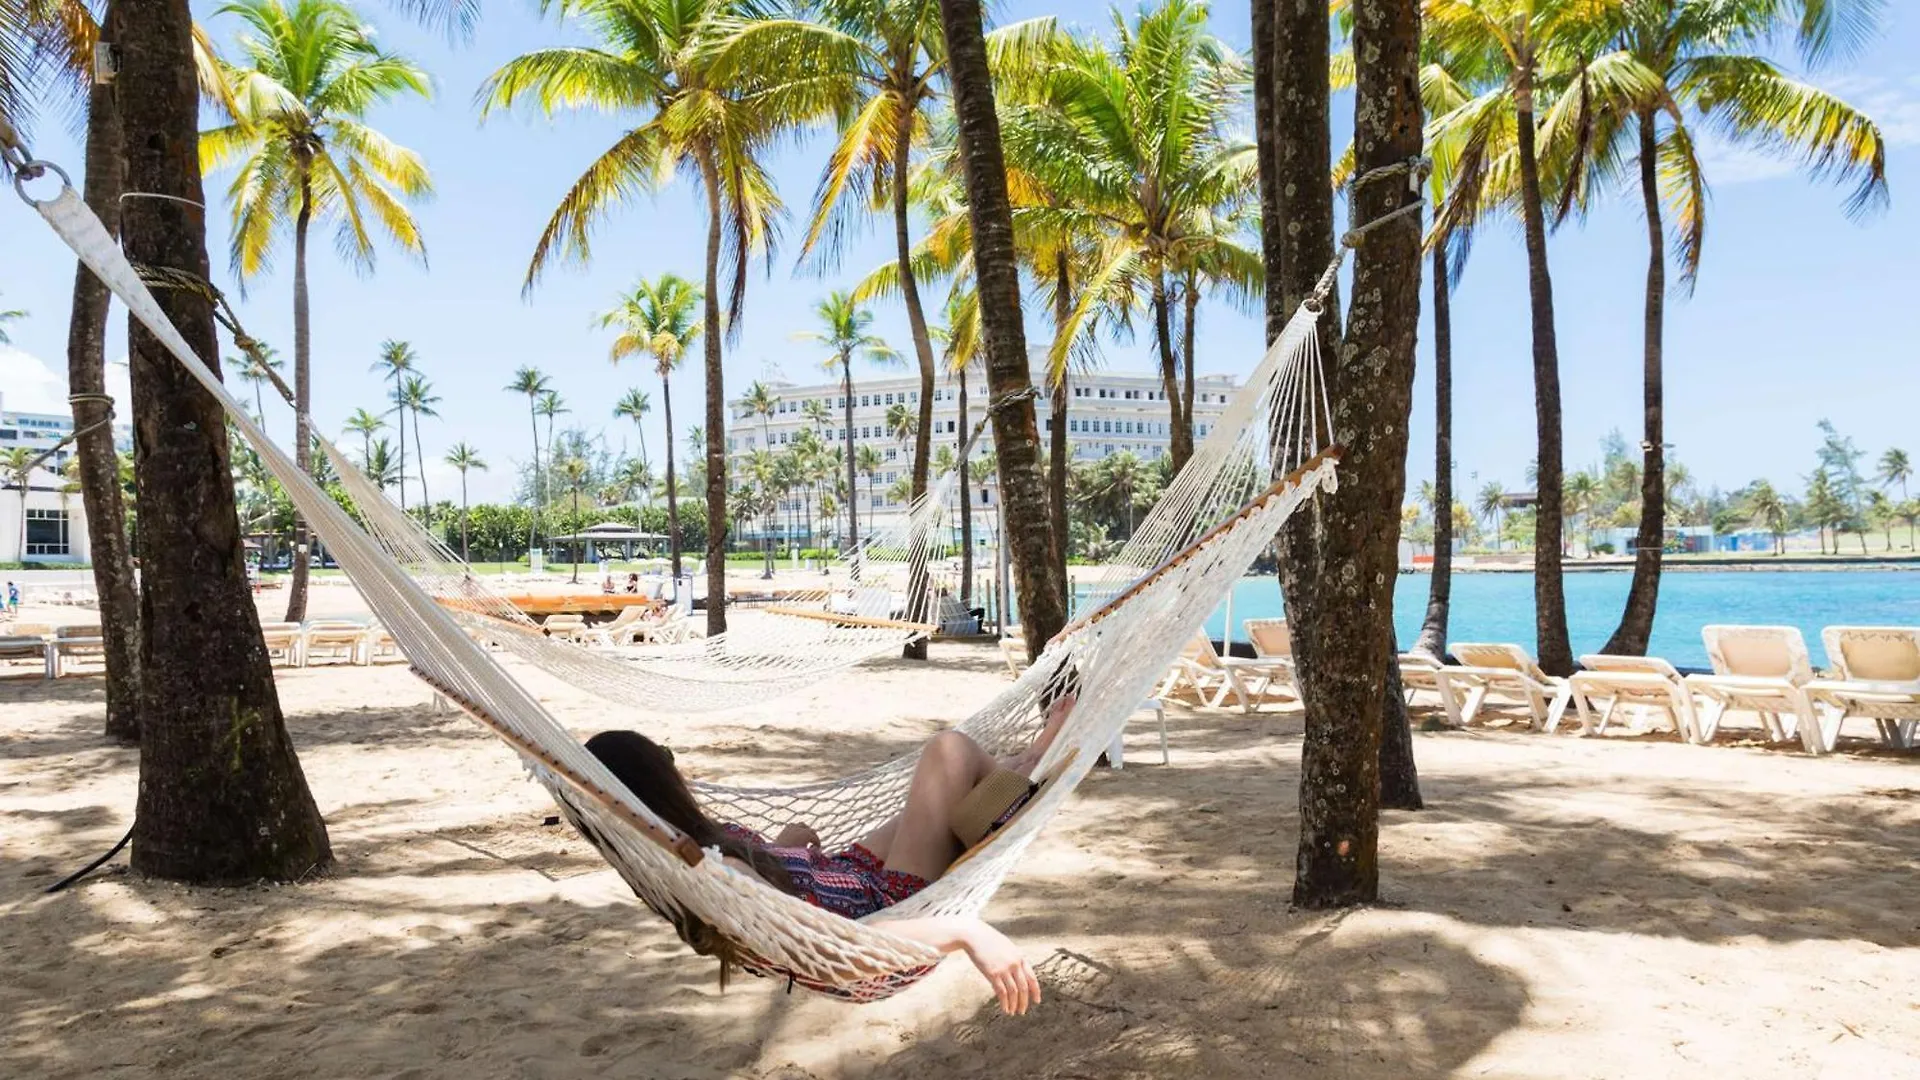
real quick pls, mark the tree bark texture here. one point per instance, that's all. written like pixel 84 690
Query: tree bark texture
pixel 673 483
pixel 718 520
pixel 965 428
pixel 1059 449
pixel 1189 314
pixel 1433 629
pixel 1179 421
pixel 923 352
pixel 303 399
pixel 1549 592
pixel 221 799
pixel 1341 574
pixel 1030 541
pixel 100 494
pixel 1399 777
pixel 1643 595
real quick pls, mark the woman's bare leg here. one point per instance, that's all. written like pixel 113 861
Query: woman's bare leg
pixel 922 841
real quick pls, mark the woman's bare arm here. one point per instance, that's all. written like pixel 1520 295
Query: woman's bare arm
pixel 996 957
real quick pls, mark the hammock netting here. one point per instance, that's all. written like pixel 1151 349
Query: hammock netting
pixel 1263 460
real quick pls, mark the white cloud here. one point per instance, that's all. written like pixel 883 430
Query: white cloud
pixel 30 384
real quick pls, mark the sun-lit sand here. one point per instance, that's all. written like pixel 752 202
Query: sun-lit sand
pixel 1605 907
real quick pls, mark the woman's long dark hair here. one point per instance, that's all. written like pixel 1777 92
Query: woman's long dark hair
pixel 647 769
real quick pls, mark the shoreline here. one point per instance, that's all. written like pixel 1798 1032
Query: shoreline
pixel 1694 565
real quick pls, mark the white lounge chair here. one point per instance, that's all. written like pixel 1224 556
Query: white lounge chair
pixel 632 619
pixel 283 640
pixel 1272 641
pixel 1507 669
pixel 29 641
pixel 566 627
pixel 76 643
pixel 1879 679
pixel 1013 649
pixel 1763 670
pixel 1200 669
pixel 953 618
pixel 1421 672
pixel 332 639
pixel 380 645
pixel 1645 683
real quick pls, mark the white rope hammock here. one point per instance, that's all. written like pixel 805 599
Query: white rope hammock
pixel 1262 462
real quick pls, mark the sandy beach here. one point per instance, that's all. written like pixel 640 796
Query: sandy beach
pixel 1600 907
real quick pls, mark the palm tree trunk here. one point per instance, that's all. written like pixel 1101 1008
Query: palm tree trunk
pixel 1180 423
pixel 1349 562
pixel 426 500
pixel 1549 595
pixel 717 517
pixel 853 483
pixel 533 520
pixel 463 517
pixel 1030 541
pixel 1636 623
pixel 1059 450
pixel 673 483
pixel 965 427
pixel 923 351
pixel 221 798
pixel 302 393
pixel 1190 306
pixel 576 541
pixel 100 495
pixel 1433 629
pixel 400 409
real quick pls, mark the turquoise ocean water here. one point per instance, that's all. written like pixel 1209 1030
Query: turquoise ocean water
pixel 1499 607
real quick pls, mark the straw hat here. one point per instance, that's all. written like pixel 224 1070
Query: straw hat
pixel 991 804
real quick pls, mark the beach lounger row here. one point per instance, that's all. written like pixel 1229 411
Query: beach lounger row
pixel 327 641
pixel 1764 670
pixel 46 650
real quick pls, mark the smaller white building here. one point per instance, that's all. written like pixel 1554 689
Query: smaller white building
pixel 40 432
pixel 55 526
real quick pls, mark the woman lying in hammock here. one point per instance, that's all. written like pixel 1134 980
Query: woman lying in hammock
pixel 894 861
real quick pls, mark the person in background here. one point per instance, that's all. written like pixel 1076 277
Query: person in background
pixel 13 598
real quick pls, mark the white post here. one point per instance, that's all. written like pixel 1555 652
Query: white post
pixel 1226 631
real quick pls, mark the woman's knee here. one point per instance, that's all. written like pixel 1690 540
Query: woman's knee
pixel 953 752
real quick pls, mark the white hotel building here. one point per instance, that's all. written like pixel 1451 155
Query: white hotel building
pixel 56 529
pixel 1107 412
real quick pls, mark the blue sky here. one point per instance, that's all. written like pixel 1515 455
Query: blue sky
pixel 1800 314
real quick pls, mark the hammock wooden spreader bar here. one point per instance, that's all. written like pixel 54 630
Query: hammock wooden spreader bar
pixel 678 843
pixel 1277 488
pixel 851 620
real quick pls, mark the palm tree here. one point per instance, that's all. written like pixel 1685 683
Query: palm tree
pixel 313 70
pixel 417 396
pixel 1121 474
pixel 889 54
pixel 761 401
pixel 533 383
pixel 635 407
pixel 868 462
pixel 815 410
pixel 365 425
pixel 7 316
pixel 704 108
pixel 396 361
pixel 381 467
pixel 1896 469
pixel 843 331
pixel 248 370
pixel 574 471
pixel 1491 501
pixel 656 320
pixel 1694 60
pixel 1582 493
pixel 1767 509
pixel 16 466
pixel 901 423
pixel 960 344
pixel 1132 141
pixel 551 405
pixel 463 458
pixel 1529 50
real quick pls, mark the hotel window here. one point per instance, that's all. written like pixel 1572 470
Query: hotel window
pixel 891 454
pixel 47 532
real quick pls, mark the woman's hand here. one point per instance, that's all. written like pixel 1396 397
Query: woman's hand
pixel 797 835
pixel 1006 970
